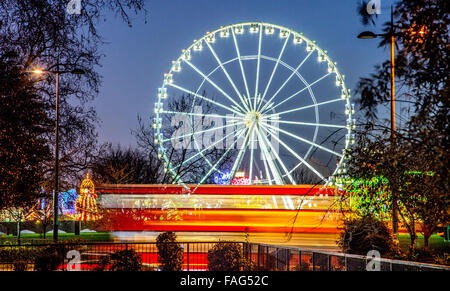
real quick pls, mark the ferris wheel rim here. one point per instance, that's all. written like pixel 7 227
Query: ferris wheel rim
pixel 261 25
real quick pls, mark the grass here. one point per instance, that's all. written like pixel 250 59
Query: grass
pixel 435 242
pixel 97 236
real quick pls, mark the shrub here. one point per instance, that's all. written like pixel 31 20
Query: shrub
pixel 224 256
pixel 103 264
pixel 361 235
pixel 248 265
pixel 170 253
pixel 48 259
pixel 303 266
pixel 125 260
pixel 19 257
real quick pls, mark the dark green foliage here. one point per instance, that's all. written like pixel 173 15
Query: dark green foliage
pixel 20 257
pixel 48 259
pixel 304 266
pixel 170 253
pixel 422 58
pixel 415 158
pixel 426 255
pixel 361 235
pixel 126 260
pixel 412 171
pixel 225 256
pixel 123 261
pixel 248 265
pixel 23 148
pixel 42 34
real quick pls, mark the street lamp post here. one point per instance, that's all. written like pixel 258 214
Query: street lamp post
pixel 56 190
pixel 391 35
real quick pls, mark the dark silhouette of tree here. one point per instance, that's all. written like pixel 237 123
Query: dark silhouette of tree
pixel 415 161
pixel 190 171
pixel 170 252
pixel 37 33
pixel 115 165
pixel 23 148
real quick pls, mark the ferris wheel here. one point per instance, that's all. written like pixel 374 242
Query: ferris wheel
pixel 256 102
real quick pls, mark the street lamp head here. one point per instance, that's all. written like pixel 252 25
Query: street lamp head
pixel 78 72
pixel 38 71
pixel 367 35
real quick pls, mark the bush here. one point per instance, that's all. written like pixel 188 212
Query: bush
pixel 125 261
pixel 303 266
pixel 426 255
pixel 225 256
pixel 48 259
pixel 170 253
pixel 20 257
pixel 364 234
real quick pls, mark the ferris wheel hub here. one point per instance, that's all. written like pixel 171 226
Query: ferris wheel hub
pixel 252 118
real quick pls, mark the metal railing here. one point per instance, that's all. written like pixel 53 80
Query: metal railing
pixel 279 258
pixel 260 257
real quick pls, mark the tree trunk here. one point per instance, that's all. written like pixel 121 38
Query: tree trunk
pixel 18 232
pixel 413 237
pixel 427 232
pixel 77 227
pixel 426 238
pixel 412 245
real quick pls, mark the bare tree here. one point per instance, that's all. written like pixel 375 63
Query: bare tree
pixel 189 170
pixel 42 34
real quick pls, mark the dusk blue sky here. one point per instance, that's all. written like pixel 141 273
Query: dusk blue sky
pixel 136 58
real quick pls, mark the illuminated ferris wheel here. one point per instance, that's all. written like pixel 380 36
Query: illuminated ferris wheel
pixel 268 100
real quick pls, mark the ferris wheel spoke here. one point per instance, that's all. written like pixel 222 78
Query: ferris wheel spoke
pixel 240 156
pixel 197 114
pixel 205 98
pixel 205 149
pixel 287 80
pixel 305 107
pixel 200 132
pixel 310 123
pixel 300 91
pixel 241 65
pixel 258 66
pixel 272 165
pixel 252 149
pixel 214 84
pixel 295 154
pixel 265 159
pixel 227 75
pixel 280 161
pixel 212 168
pixel 302 139
pixel 273 72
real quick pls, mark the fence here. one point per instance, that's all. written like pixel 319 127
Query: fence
pixel 278 258
pixel 263 257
